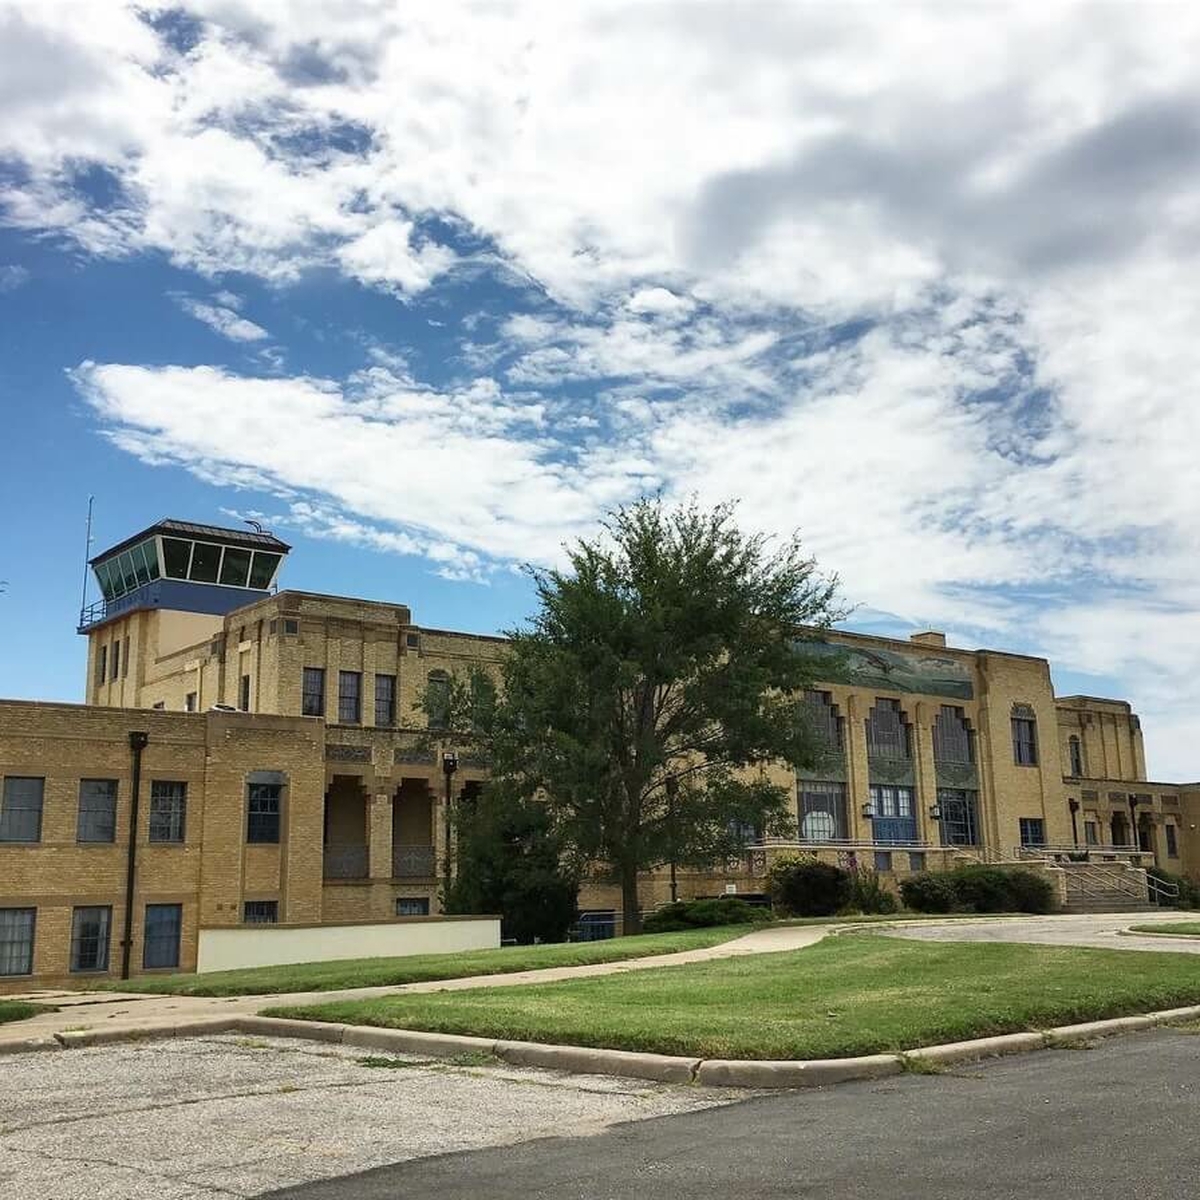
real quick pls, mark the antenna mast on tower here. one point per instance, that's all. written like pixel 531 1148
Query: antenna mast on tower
pixel 87 550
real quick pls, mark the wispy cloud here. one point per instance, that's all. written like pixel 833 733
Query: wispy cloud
pixel 223 320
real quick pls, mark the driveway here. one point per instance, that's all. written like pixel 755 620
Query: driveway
pixel 1110 1123
pixel 1092 929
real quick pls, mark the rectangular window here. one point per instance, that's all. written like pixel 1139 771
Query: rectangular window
pixel 260 912
pixel 262 812
pixel 385 699
pixel 349 697
pixel 101 663
pixel 244 694
pixel 89 939
pixel 883 860
pixel 960 817
pixel 1172 841
pixel 892 801
pixel 916 860
pixel 291 627
pixel 1091 833
pixel 1024 735
pixel 16 940
pixel 97 821
pixel 116 659
pixel 160 941
pixel 1033 831
pixel 21 815
pixel 822 811
pixel 189 702
pixel 312 697
pixel 125 660
pixel 412 906
pixel 168 811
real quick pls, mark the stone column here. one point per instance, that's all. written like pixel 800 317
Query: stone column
pixel 924 771
pixel 858 790
pixel 380 836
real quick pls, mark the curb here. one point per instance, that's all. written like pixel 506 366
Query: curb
pixel 663 1068
pixel 1166 937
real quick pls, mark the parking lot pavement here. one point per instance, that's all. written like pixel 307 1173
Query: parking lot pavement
pixel 194 1119
pixel 1114 1122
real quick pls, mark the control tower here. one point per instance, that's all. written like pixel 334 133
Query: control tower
pixel 168 587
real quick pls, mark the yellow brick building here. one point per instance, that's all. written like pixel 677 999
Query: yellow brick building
pixel 287 775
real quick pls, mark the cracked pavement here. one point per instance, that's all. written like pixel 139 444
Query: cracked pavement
pixel 193 1119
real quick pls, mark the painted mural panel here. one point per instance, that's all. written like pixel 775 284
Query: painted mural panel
pixel 919 670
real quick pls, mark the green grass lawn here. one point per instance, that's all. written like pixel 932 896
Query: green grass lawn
pixel 379 972
pixel 18 1010
pixel 856 994
pixel 1176 928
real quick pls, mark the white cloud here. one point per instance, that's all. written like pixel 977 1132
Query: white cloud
pixel 920 280
pixel 13 276
pixel 225 321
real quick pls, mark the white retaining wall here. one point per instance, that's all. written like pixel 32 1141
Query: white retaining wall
pixel 272 945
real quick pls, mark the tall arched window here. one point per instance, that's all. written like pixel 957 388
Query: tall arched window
pixel 952 741
pixel 887 731
pixel 1075 753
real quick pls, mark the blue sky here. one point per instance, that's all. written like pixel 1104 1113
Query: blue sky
pixel 429 292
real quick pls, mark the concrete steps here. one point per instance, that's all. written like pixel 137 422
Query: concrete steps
pixel 1101 904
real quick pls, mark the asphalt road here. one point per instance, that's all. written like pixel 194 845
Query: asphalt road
pixel 1114 1122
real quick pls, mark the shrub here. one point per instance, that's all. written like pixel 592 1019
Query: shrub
pixel 698 914
pixel 806 887
pixel 978 889
pixel 868 895
pixel 926 892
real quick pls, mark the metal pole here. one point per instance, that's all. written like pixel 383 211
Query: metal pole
pixel 87 550
pixel 137 743
pixel 1073 805
pixel 449 766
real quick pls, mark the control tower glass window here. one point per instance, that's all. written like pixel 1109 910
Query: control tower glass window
pixel 206 563
pixel 128 570
pixel 235 567
pixel 176 555
pixel 263 570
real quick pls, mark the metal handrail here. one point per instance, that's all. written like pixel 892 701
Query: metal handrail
pixel 844 844
pixel 1162 893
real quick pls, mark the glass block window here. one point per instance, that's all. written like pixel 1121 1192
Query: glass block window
pixel 160 940
pixel 1024 736
pixel 260 912
pixel 16 940
pixel 263 809
pixel 823 718
pixel 1033 831
pixel 412 906
pixel 168 810
pixel 385 699
pixel 1172 841
pixel 960 817
pixel 349 697
pixel 437 699
pixel 97 821
pixel 21 809
pixel 1075 754
pixel 952 742
pixel 89 938
pixel 887 733
pixel 312 699
pixel 822 811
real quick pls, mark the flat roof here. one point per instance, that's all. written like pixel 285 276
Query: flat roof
pixel 170 527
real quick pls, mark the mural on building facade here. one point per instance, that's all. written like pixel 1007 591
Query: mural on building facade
pixel 889 670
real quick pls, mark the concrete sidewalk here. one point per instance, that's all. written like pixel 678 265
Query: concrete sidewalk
pixel 131 1010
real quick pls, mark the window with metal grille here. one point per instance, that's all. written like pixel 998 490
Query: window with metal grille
pixel 168 810
pixel 887 733
pixel 312 698
pixel 412 906
pixel 1091 833
pixel 21 813
pixel 101 663
pixel 97 820
pixel 1075 753
pixel 260 912
pixel 385 699
pixel 244 694
pixel 262 812
pixel 116 659
pixel 952 742
pixel 822 811
pixel 888 801
pixel 1172 841
pixel 349 697
pixel 1024 736
pixel 1033 831
pixel 160 940
pixel 823 718
pixel 960 817
pixel 16 940
pixel 89 938
pixel 437 699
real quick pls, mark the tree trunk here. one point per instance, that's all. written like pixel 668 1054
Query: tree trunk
pixel 632 917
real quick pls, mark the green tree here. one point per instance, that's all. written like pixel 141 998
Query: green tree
pixel 510 862
pixel 661 669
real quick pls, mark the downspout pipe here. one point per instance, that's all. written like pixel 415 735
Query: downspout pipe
pixel 138 740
